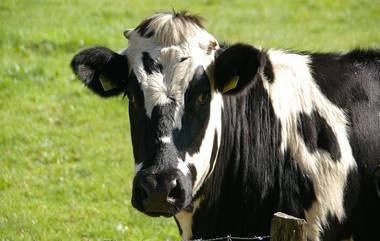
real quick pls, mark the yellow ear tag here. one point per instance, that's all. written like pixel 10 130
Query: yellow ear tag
pixel 106 84
pixel 231 84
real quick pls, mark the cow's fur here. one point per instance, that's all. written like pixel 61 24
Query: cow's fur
pixel 299 133
pixel 291 149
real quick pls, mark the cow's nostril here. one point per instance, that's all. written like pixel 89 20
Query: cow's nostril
pixel 174 193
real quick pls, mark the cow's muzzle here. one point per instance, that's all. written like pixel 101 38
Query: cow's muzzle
pixel 161 193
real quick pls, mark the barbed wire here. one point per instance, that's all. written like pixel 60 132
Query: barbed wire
pixel 231 238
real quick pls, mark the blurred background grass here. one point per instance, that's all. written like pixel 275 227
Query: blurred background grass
pixel 66 164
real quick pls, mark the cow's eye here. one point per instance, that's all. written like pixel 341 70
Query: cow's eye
pixel 201 99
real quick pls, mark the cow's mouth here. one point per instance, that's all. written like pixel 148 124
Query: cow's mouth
pixel 159 214
pixel 169 211
pixel 164 211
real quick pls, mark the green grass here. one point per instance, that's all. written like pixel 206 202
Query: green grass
pixel 66 164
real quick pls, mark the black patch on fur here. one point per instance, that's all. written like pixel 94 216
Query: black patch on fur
pixel 301 180
pixel 162 119
pixel 377 180
pixel 317 133
pixel 142 133
pixel 359 94
pixel 368 56
pixel 143 26
pixel 150 65
pixel 196 117
pixel 347 78
pixel 308 131
pixel 150 34
pixel 193 172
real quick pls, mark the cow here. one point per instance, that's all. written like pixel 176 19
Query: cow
pixel 224 136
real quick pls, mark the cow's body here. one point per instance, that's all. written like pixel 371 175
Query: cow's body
pixel 297 164
pixel 297 132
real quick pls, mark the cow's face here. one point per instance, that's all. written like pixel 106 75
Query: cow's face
pixel 175 103
pixel 175 114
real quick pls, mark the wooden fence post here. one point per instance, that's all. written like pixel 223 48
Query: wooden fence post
pixel 287 228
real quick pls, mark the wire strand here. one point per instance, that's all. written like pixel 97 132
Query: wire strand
pixel 231 238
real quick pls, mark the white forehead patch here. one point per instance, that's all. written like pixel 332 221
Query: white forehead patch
pixel 179 45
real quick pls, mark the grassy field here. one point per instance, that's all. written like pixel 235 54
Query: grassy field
pixel 66 164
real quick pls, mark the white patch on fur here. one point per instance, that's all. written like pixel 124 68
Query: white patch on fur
pixel 292 92
pixel 182 167
pixel 201 160
pixel 138 167
pixel 165 139
pixel 185 220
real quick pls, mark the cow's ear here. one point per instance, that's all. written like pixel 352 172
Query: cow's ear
pixel 236 68
pixel 102 70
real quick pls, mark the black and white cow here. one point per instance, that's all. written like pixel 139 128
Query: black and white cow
pixel 223 137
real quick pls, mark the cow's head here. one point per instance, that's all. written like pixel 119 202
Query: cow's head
pixel 175 105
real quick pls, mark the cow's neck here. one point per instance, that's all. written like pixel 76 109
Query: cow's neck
pixel 243 184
